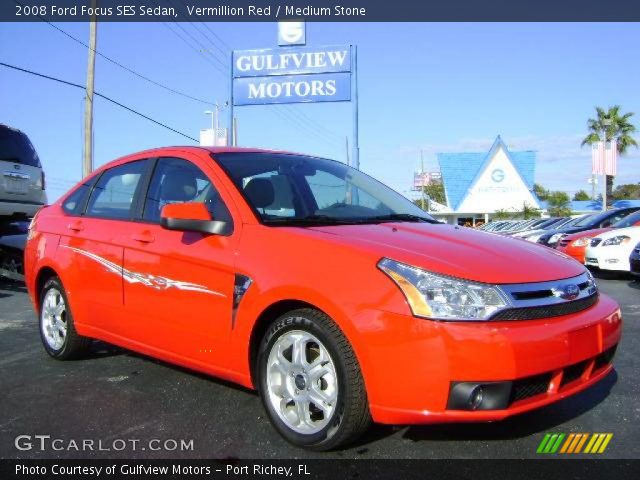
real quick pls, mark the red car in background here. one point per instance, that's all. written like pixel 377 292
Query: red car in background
pixel 576 244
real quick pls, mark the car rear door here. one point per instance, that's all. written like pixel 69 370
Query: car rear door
pixel 179 285
pixel 92 249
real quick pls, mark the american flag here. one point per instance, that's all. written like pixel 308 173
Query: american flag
pixel 597 158
pixel 611 158
pixel 604 158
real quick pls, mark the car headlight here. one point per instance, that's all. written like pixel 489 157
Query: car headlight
pixel 581 242
pixel 619 240
pixel 533 238
pixel 557 237
pixel 430 295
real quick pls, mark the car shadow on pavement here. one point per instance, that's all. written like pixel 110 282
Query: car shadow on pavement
pixel 610 274
pixel 635 283
pixel 522 425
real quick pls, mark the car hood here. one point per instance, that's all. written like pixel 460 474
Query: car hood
pixel 633 232
pixel 587 233
pixel 458 251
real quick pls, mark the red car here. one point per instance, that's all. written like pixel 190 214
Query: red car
pixel 334 296
pixel 575 244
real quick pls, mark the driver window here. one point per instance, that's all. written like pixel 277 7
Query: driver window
pixel 179 181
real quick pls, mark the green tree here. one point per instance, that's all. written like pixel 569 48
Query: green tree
pixel 527 212
pixel 628 191
pixel 433 191
pixel 581 195
pixel 540 191
pixel 558 204
pixel 501 214
pixel 611 124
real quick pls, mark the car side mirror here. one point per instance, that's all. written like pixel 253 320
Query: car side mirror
pixel 191 217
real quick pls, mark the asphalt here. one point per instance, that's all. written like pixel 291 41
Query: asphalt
pixel 114 395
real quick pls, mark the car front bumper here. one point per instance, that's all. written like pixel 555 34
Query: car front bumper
pixel 534 363
pixel 608 258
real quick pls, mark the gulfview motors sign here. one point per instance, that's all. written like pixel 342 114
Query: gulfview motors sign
pixel 292 75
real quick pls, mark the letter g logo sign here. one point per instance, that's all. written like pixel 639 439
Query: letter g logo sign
pixel 291 33
pixel 497 175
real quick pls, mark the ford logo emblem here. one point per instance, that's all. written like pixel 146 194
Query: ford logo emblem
pixel 568 292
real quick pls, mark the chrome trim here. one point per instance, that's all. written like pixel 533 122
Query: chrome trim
pixel 16 175
pixel 540 294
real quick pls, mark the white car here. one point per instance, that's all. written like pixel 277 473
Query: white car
pixel 611 250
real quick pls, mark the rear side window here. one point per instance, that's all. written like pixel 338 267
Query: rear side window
pixel 112 196
pixel 16 147
pixel 73 202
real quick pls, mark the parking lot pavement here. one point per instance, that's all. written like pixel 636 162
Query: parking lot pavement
pixel 115 394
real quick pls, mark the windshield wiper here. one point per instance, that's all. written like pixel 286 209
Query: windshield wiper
pixel 402 217
pixel 310 220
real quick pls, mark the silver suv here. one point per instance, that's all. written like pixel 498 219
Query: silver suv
pixel 22 184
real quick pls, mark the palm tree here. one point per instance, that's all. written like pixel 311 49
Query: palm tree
pixel 614 125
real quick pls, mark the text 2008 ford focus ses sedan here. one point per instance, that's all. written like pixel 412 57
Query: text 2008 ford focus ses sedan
pixel 334 296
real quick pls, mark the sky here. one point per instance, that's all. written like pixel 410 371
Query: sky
pixel 435 87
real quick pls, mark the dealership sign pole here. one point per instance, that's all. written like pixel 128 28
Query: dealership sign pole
pixel 295 74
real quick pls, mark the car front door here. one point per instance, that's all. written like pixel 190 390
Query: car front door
pixel 178 284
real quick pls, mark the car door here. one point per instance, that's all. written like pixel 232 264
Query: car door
pixel 179 285
pixel 92 245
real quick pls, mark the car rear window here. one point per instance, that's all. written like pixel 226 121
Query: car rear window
pixel 16 147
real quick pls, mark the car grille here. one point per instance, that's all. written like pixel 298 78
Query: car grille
pixel 528 301
pixel 533 386
pixel 573 373
pixel 530 387
pixel 605 358
pixel 546 311
pixel 595 242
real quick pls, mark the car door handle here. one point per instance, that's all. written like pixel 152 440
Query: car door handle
pixel 143 237
pixel 76 226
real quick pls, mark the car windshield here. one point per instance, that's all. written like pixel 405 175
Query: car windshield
pixel 592 219
pixel 628 221
pixel 286 189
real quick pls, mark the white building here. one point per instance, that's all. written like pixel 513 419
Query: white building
pixel 477 184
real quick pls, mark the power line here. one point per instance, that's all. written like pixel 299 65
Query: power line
pixel 109 99
pixel 118 64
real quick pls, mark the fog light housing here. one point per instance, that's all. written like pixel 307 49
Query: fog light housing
pixel 479 395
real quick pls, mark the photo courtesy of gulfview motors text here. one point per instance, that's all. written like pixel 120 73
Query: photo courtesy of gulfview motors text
pixel 318 239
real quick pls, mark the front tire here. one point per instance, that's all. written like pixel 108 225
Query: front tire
pixel 57 330
pixel 310 381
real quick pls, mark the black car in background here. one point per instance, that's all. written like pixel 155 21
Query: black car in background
pixel 601 220
pixel 634 261
pixel 13 237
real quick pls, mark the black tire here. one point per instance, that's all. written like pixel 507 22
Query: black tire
pixel 351 416
pixel 73 345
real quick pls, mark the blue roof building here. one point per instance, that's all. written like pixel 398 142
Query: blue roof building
pixel 479 183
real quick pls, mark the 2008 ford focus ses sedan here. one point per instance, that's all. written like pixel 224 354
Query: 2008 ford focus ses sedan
pixel 336 298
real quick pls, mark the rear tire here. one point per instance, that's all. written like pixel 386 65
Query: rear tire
pixel 57 331
pixel 310 382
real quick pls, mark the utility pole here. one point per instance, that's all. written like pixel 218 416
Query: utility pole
pixel 87 160
pixel 422 179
